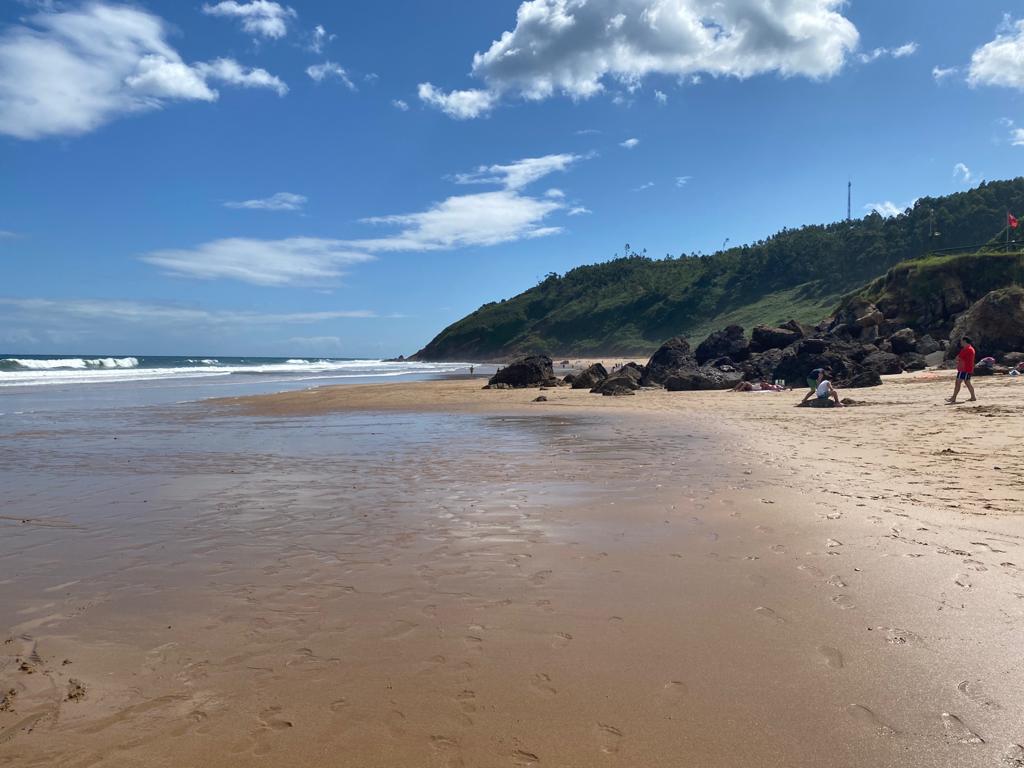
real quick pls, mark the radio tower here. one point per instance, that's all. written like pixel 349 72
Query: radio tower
pixel 849 199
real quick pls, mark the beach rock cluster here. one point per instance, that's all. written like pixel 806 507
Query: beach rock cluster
pixel 533 371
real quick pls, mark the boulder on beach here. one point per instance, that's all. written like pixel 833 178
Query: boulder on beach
pixel 728 342
pixel 590 378
pixel 531 371
pixel 995 323
pixel 704 377
pixel 926 345
pixel 904 340
pixel 883 363
pixel 625 380
pixel 765 337
pixel 674 355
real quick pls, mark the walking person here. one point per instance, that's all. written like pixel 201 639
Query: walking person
pixel 964 369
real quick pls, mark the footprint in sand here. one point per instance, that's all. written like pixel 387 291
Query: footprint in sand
pixel 394 721
pixel 339 704
pixel 561 640
pixel 1013 757
pixel 836 581
pixel 811 570
pixel 522 757
pixel 862 714
pixel 541 684
pixel 897 636
pixel 778 549
pixel 609 738
pixel 831 656
pixel 844 601
pixel 400 629
pixel 975 691
pixel 768 613
pixel 962 580
pixel 540 577
pixel 958 732
pixel 765 529
pixel 466 700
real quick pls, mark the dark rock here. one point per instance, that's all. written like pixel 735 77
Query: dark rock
pixel 674 355
pixel 625 378
pixel 904 340
pixel 926 345
pixel 704 377
pixel 865 377
pixel 871 317
pixel 590 378
pixel 540 399
pixel 913 361
pixel 995 323
pixel 797 327
pixel 728 342
pixel 813 346
pixel 883 363
pixel 984 369
pixel 569 378
pixel 532 371
pixel 764 337
pixel 761 365
pixel 1013 359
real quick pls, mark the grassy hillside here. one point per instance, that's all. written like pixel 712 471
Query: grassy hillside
pixel 629 305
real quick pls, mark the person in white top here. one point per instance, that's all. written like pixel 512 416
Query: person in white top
pixel 824 390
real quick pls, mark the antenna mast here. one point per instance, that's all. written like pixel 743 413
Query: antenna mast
pixel 849 199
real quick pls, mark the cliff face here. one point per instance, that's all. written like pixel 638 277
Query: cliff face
pixel 929 294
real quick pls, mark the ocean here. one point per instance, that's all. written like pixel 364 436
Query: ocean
pixel 35 387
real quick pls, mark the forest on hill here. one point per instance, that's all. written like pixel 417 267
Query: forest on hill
pixel 629 305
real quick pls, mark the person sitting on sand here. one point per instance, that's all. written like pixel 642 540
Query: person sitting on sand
pixel 813 379
pixel 823 389
pixel 964 370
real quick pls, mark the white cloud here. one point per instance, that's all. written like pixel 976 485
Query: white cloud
pixel 320 39
pixel 574 46
pixel 231 72
pixel 259 17
pixel 292 261
pixel 887 208
pixel 142 313
pixel 660 97
pixel 462 105
pixel 941 73
pixel 579 210
pixel 280 201
pixel 69 72
pixel 962 173
pixel 400 105
pixel 1017 137
pixel 557 194
pixel 519 173
pixel 6 234
pixel 629 143
pixel 645 185
pixel 482 219
pixel 907 49
pixel 1000 61
pixel 682 181
pixel 587 132
pixel 321 72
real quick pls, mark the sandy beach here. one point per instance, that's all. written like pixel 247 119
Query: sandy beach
pixel 429 574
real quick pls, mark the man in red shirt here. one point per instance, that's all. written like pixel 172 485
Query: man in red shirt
pixel 964 369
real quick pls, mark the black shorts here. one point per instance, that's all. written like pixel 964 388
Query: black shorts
pixel 963 375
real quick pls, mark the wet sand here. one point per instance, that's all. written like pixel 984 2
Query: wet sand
pixel 429 574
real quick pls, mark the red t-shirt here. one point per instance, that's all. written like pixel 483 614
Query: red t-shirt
pixel 965 360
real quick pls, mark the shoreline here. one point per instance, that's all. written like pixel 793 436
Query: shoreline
pixel 712 579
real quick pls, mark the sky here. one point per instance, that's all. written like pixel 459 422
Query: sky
pixel 346 179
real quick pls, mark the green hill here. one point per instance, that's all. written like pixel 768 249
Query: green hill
pixel 628 306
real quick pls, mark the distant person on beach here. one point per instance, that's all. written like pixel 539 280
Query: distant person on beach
pixel 823 389
pixel 471 370
pixel 813 379
pixel 964 369
pixel 761 386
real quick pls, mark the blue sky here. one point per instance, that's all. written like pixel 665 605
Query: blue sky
pixel 322 178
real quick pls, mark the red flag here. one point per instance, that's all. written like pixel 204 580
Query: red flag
pixel 1012 220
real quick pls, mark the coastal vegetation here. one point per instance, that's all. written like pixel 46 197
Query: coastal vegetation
pixel 629 305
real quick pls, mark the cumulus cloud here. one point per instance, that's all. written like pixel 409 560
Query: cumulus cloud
pixel 320 39
pixel 629 143
pixel 1017 137
pixel 661 97
pixel 962 173
pixel 941 73
pixel 907 49
pixel 292 261
pixel 682 181
pixel 400 105
pixel 280 201
pixel 69 72
pixel 888 209
pixel 579 210
pixel 462 105
pixel 645 185
pixel 260 17
pixel 1000 61
pixel 573 47
pixel 328 69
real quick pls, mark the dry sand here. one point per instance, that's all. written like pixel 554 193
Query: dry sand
pixel 670 579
